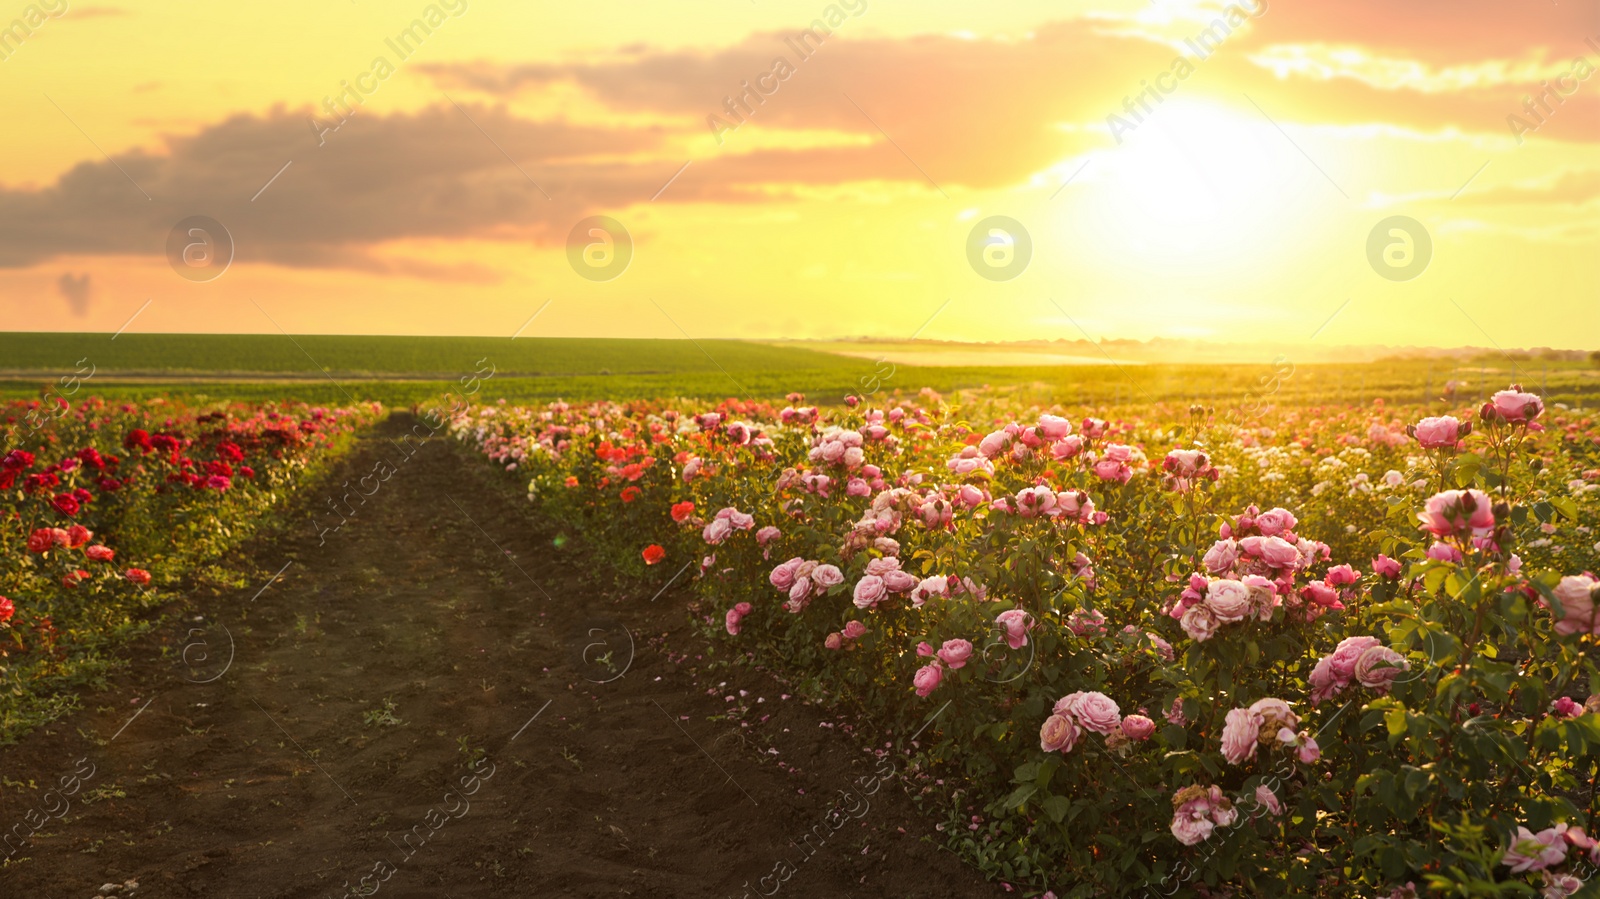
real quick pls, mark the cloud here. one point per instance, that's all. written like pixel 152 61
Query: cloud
pixel 380 178
pixel 97 12
pixel 973 114
pixel 75 289
pixel 1573 188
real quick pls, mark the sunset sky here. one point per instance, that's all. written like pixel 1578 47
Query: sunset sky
pixel 1239 208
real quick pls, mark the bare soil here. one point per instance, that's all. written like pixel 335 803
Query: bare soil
pixel 439 700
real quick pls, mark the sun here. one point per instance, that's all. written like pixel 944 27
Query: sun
pixel 1201 184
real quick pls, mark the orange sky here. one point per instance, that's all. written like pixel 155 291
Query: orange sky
pixel 1179 167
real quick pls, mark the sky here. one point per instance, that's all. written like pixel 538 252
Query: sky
pixel 1347 172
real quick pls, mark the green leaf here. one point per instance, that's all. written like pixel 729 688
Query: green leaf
pixel 1395 720
pixel 1056 807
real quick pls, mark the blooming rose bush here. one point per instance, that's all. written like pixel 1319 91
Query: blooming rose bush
pixel 111 502
pixel 1342 651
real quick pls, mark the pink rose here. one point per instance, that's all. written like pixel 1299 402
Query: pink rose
pixel 1269 800
pixel 1383 566
pixel 1438 432
pixel 1054 427
pixel 1278 552
pixel 1275 714
pixel 1138 728
pixel 1097 712
pixel 1221 556
pixel 1174 713
pixel 927 679
pixel 923 649
pixel 1443 552
pixel 994 444
pixel 1347 653
pixel 833 641
pixel 899 581
pixel 1457 512
pixel 731 621
pixel 782 577
pixel 1513 405
pixel 1536 851
pixel 827 576
pixel 1058 734
pixel 1319 593
pixel 1275 521
pixel 1342 576
pixel 1324 684
pixel 1015 624
pixel 717 531
pixel 1239 736
pixel 1576 593
pixel 1228 600
pixel 869 591
pixel 955 653
pixel 1066 448
pixel 1200 623
pixel 767 534
pixel 1379 666
pixel 1565 708
pixel 1308 752
pixel 853 630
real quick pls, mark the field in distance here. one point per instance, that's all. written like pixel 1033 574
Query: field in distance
pixel 402 370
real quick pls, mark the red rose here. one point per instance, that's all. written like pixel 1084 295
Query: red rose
pixel 77 535
pixel 629 494
pixel 137 575
pixel 100 553
pixel 72 578
pixel 41 541
pixel 6 610
pixel 66 504
pixel 653 554
pixel 681 511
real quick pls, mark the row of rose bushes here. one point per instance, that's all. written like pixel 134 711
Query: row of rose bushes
pixel 1326 651
pixel 102 505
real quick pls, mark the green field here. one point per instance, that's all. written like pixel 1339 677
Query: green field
pixel 406 370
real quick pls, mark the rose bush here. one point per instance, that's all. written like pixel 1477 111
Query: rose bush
pixel 1338 652
pixel 110 503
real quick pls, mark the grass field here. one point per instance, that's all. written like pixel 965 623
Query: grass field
pixel 406 370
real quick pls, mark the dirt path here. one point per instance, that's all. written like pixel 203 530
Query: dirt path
pixel 424 701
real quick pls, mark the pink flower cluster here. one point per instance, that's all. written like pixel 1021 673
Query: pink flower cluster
pixel 727 521
pixel 1077 713
pixel 736 615
pixel 1187 467
pixel 1114 464
pixel 1040 501
pixel 838 446
pixel 804 580
pixel 1208 604
pixel 1356 659
pixel 1267 722
pixel 1531 851
pixel 1197 811
pixel 846 638
pixel 1086 622
pixel 882 579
